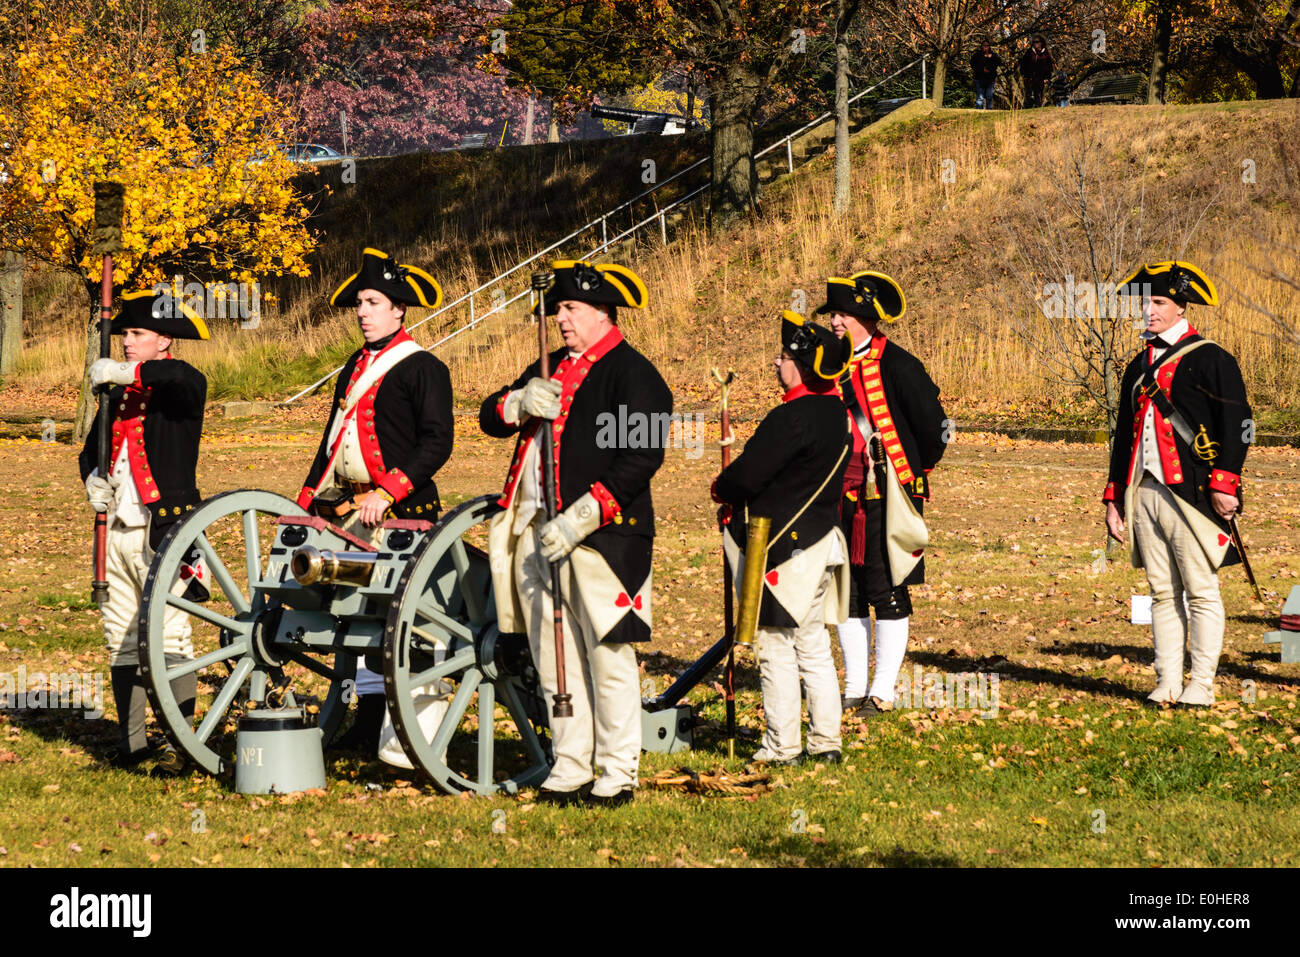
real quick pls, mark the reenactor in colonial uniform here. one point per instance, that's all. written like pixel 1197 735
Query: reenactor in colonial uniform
pixel 1181 437
pixel 157 403
pixel 900 433
pixel 603 530
pixel 792 472
pixel 390 429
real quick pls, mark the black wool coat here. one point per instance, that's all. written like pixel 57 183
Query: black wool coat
pixel 613 433
pixel 1207 389
pixel 923 427
pixel 799 445
pixel 414 427
pixel 171 423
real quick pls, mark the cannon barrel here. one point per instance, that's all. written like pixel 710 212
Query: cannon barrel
pixel 316 566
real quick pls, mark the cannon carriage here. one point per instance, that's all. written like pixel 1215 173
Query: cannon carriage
pixel 295 602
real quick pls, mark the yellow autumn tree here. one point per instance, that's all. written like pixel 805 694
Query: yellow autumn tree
pixel 188 129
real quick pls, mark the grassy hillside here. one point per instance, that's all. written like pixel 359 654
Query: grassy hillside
pixel 971 212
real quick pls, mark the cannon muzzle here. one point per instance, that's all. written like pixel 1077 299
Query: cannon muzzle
pixel 315 566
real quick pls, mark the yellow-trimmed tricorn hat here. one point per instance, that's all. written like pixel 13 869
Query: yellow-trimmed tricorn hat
pixel 409 285
pixel 159 311
pixel 815 347
pixel 1179 281
pixel 867 295
pixel 602 284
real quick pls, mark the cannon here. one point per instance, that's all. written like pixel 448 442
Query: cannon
pixel 294 602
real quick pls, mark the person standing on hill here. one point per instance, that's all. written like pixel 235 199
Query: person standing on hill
pixel 1178 475
pixel 1036 66
pixel 157 402
pixel 792 472
pixel 900 433
pixel 984 66
pixel 390 429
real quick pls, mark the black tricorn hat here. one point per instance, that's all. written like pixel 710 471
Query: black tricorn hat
pixel 159 311
pixel 814 347
pixel 408 285
pixel 604 284
pixel 1179 281
pixel 867 295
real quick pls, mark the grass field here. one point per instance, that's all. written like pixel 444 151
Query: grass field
pixel 1072 770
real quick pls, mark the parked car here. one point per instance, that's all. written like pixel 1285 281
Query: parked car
pixel 311 153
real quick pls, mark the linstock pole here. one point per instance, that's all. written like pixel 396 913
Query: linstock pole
pixel 729 633
pixel 108 240
pixel 563 706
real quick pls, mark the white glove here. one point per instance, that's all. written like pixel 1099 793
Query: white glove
pixel 100 493
pixel 541 398
pixel 562 534
pixel 110 370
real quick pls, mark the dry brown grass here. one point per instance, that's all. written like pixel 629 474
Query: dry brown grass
pixel 714 299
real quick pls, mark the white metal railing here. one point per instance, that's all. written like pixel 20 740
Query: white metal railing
pixel 606 240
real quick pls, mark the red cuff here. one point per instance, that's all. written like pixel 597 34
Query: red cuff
pixel 610 510
pixel 136 383
pixel 501 407
pixel 305 497
pixel 1225 482
pixel 1109 494
pixel 396 484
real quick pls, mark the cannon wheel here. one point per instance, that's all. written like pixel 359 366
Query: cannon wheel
pixel 443 629
pixel 234 532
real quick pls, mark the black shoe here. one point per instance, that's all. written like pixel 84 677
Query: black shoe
pixel 851 704
pixel 125 760
pixel 170 765
pixel 564 798
pixel 617 799
pixel 870 708
pixel 823 757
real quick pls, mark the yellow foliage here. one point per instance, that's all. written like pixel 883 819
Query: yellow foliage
pixel 655 97
pixel 193 138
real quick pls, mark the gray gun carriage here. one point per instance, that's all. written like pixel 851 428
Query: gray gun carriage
pixel 296 602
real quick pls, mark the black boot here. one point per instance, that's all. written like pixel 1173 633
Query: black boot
pixel 129 696
pixel 363 736
pixel 184 688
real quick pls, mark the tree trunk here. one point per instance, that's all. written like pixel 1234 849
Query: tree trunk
pixel 937 79
pixel 842 197
pixel 947 28
pixel 733 99
pixel 552 127
pixel 1160 56
pixel 86 404
pixel 528 120
pixel 11 310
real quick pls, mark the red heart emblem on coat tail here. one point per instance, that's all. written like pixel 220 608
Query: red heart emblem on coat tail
pixel 622 601
pixel 636 603
pixel 1223 539
pixel 918 553
pixel 771 577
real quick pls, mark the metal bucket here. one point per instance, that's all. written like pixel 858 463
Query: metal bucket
pixel 278 750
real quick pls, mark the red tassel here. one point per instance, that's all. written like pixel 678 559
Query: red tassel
pixel 858 542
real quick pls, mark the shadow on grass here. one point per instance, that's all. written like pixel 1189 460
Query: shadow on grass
pixel 810 851
pixel 1144 653
pixel 1029 674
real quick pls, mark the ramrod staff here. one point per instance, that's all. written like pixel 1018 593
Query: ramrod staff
pixel 563 707
pixel 108 240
